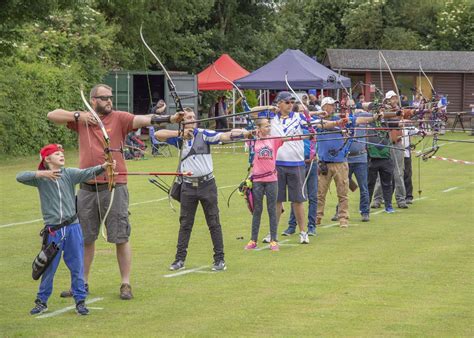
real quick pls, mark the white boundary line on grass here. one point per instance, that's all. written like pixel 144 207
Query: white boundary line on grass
pixel 328 225
pixel 66 309
pixel 383 209
pixel 131 204
pixel 334 224
pixel 185 272
pixel 268 246
pixel 19 223
pixel 450 189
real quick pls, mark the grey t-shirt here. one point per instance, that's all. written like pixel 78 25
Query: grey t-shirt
pixel 58 197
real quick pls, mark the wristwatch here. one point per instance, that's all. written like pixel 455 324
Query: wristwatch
pixel 76 116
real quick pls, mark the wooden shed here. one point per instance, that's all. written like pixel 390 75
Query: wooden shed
pixel 450 72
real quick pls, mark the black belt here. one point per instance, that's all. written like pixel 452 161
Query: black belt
pixel 198 180
pixel 358 153
pixel 97 187
pixel 54 227
pixel 270 173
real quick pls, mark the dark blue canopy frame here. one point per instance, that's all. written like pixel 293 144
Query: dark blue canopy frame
pixel 303 73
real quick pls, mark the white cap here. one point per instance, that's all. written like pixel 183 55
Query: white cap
pixel 327 100
pixel 390 94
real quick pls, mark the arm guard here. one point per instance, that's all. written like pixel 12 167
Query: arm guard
pixel 158 119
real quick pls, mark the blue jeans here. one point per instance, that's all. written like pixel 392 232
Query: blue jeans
pixel 72 249
pixel 151 133
pixel 361 170
pixel 312 195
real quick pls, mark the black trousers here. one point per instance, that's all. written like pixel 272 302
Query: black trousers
pixel 382 167
pixel 206 193
pixel 407 178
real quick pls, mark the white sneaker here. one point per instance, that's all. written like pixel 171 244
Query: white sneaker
pixel 304 238
pixel 267 239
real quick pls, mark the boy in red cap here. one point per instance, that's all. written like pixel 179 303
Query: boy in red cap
pixel 58 206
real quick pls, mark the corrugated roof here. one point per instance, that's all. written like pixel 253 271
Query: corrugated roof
pixel 400 60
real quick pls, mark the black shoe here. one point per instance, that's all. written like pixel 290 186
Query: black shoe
pixel 40 307
pixel 335 218
pixel 68 293
pixel 177 265
pixel 126 291
pixel 375 205
pixel 365 218
pixel 219 266
pixel 402 206
pixel 409 201
pixel 81 308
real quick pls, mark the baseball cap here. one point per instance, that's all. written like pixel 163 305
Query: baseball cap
pixel 284 96
pixel 327 100
pixel 46 151
pixel 390 94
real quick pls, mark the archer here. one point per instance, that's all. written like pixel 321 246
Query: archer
pixel 96 205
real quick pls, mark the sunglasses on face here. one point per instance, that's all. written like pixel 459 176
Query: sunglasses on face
pixel 104 98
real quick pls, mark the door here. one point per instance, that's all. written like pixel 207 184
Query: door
pixel 186 87
pixel 121 90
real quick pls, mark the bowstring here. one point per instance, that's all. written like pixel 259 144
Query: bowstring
pixel 95 178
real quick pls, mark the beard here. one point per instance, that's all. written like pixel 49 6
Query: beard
pixel 104 110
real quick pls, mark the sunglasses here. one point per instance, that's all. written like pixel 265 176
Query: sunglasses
pixel 104 98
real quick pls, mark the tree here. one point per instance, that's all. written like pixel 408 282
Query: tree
pixel 454 26
pixel 364 24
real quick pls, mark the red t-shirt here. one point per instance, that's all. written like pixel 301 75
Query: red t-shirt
pixel 91 142
pixel 264 160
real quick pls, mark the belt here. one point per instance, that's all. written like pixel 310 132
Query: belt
pixel 54 227
pixel 51 228
pixel 351 154
pixel 269 173
pixel 98 187
pixel 198 180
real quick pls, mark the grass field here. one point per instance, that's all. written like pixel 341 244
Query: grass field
pixel 404 274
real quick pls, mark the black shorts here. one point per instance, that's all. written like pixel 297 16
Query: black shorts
pixel 293 178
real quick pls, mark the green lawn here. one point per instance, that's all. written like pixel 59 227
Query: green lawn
pixel 404 274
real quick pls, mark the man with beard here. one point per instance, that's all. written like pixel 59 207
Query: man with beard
pixel 93 198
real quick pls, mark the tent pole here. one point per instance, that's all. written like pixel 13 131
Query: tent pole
pixel 338 89
pixel 233 117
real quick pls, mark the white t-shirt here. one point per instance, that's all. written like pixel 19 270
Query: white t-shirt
pixel 291 154
pixel 198 164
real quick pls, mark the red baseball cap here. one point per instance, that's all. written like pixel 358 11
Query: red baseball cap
pixel 46 151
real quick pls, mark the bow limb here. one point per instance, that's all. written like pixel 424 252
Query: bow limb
pixel 394 81
pixel 250 126
pixel 178 104
pixel 245 105
pixel 109 158
pixel 312 147
pixel 427 78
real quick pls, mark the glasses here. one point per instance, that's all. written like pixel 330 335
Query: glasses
pixel 289 102
pixel 104 98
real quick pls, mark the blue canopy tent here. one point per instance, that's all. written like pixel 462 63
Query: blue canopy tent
pixel 303 73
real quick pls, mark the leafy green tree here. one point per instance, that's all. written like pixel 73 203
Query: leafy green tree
pixel 400 38
pixel 27 92
pixel 47 61
pixel 324 26
pixel 364 24
pixel 454 26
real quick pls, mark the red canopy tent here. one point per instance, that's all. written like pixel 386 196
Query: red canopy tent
pixel 208 79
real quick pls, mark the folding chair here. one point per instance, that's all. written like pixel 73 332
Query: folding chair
pixel 161 149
